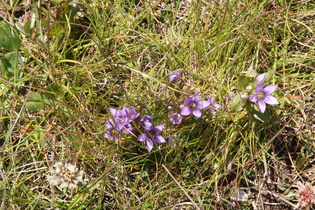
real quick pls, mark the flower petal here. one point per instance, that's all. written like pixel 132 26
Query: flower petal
pixel 254 98
pixel 197 113
pixel 174 76
pixel 64 184
pixel 259 87
pixel 157 129
pixel 261 78
pixel 271 100
pixel 269 89
pixel 108 135
pixel 186 111
pixel 127 128
pixel 202 104
pixel 143 137
pixel 188 101
pixel 149 144
pixel 147 125
pixel 216 106
pixel 159 139
pixel 262 106
pixel 196 97
pixel 54 180
pixel 114 112
pixel 109 124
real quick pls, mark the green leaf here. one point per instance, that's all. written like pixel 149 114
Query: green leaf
pixel 8 65
pixel 56 2
pixel 300 160
pixel 6 6
pixel 35 102
pixel 254 110
pixel 8 40
pixel 237 103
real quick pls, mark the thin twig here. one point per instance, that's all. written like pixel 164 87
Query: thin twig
pixel 181 187
pixel 14 124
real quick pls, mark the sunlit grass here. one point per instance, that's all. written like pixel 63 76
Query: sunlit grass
pixel 70 63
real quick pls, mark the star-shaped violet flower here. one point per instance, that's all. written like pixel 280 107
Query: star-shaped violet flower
pixel 263 96
pixel 151 133
pixel 213 106
pixel 176 118
pixel 193 105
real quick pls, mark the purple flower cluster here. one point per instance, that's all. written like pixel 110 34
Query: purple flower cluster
pixel 121 122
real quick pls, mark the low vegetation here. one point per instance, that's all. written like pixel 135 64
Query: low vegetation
pixel 157 104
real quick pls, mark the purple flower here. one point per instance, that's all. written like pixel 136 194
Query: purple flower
pixel 176 118
pixel 230 97
pixel 213 107
pixel 170 140
pixel 120 122
pixel 130 113
pixel 263 97
pixel 261 78
pixel 112 132
pixel 193 105
pixel 147 122
pixel 151 133
pixel 122 119
pixel 174 76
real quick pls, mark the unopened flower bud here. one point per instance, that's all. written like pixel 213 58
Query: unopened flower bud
pixel 244 96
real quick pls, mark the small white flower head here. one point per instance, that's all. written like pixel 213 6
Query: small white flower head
pixel 65 175
pixel 305 195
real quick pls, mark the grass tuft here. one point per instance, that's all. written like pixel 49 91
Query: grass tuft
pixel 65 64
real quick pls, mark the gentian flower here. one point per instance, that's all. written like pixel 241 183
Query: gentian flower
pixel 130 113
pixel 120 122
pixel 112 132
pixel 176 118
pixel 263 97
pixel 213 107
pixel 147 122
pixel 174 76
pixel 193 105
pixel 151 133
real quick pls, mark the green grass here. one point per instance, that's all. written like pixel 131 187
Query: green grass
pixel 62 71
